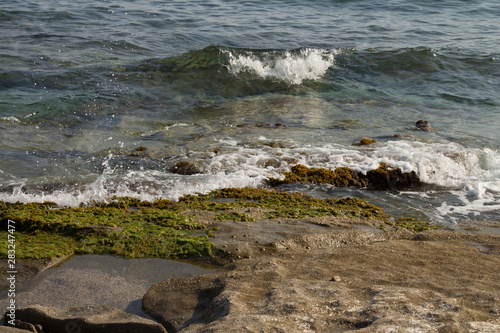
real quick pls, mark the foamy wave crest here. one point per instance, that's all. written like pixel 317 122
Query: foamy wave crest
pixel 290 66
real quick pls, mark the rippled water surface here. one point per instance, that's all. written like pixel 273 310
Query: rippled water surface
pixel 83 84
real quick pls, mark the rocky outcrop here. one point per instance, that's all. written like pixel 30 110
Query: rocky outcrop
pixel 342 282
pixel 8 329
pixel 384 178
pixel 85 319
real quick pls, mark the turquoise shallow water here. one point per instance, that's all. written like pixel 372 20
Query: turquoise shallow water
pixel 83 84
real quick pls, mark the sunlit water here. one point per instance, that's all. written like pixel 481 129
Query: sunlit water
pixel 84 84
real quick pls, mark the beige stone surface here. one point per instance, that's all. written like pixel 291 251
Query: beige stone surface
pixel 340 281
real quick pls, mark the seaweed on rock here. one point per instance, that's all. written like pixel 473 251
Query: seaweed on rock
pixel 384 178
pixel 132 228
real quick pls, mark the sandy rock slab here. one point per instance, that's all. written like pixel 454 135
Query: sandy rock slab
pixel 85 319
pixel 342 282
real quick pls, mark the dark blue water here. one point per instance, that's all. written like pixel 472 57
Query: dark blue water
pixel 83 84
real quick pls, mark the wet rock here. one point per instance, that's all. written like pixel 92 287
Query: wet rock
pixel 423 125
pixel 140 151
pixel 385 178
pixel 184 168
pixel 366 142
pixel 86 319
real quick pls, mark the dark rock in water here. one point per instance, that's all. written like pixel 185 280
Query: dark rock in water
pixel 86 319
pixel 340 177
pixel 190 300
pixel 423 125
pixel 385 178
pixel 184 168
pixel 366 142
pixel 140 151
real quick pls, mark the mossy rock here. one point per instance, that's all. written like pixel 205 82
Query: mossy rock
pixel 341 177
pixel 366 142
pixel 125 227
pixel 383 178
pixel 408 223
pixel 386 178
pixel 132 228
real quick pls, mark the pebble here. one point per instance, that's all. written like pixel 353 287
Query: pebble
pixel 336 278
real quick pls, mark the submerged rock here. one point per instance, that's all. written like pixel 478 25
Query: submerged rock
pixel 423 125
pixel 184 168
pixel 140 151
pixel 86 319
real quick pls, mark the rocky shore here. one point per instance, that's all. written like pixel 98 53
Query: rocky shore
pixel 287 263
pixel 317 274
pixel 340 280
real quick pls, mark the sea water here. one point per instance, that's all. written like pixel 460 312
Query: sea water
pixel 83 84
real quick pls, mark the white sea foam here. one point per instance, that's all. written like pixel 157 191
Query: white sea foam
pixel 293 67
pixel 11 119
pixel 468 178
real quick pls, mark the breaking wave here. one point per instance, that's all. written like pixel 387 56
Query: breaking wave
pixel 290 66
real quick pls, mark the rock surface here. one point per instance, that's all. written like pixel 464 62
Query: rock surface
pixel 384 178
pixel 423 125
pixel 184 168
pixel 7 329
pixel 91 319
pixel 340 281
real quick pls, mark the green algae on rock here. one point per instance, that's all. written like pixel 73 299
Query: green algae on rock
pixel 387 178
pixel 132 228
pixel 341 177
pixel 408 223
pixel 383 178
pixel 124 227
